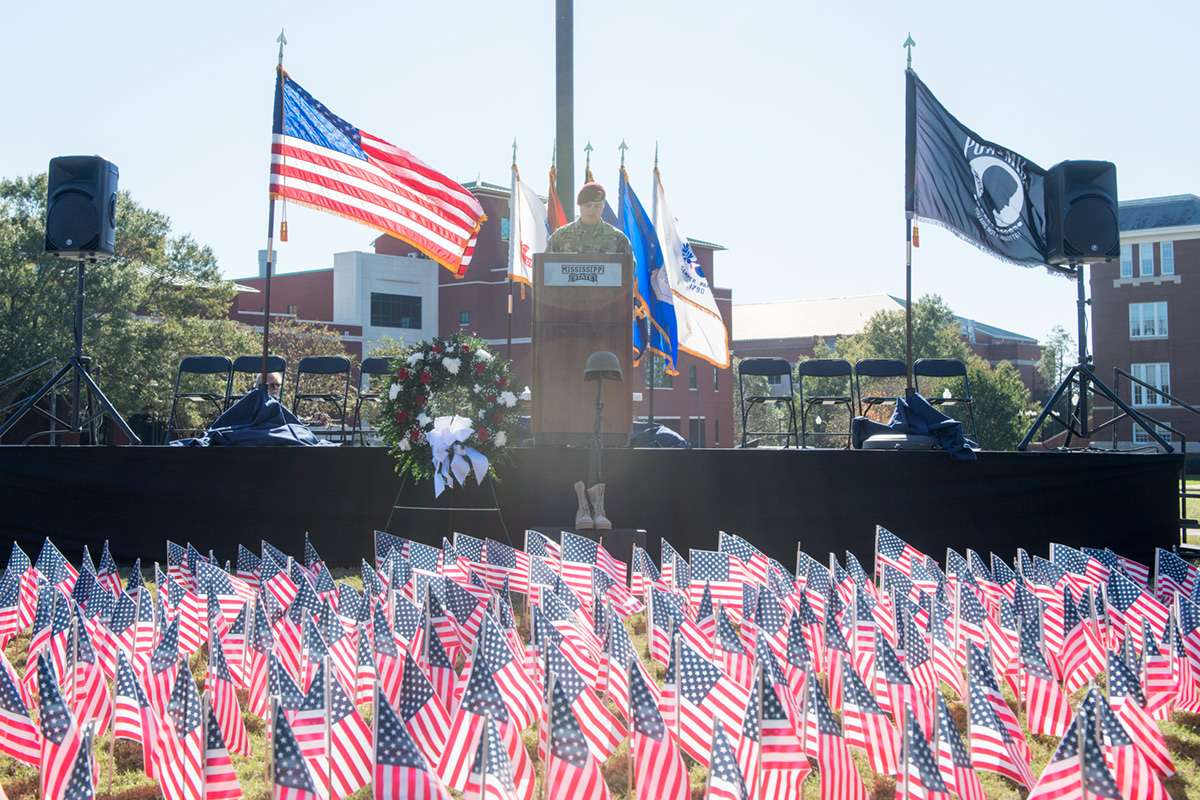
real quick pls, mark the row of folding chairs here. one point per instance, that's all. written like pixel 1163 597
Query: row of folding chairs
pixel 322 383
pixel 868 388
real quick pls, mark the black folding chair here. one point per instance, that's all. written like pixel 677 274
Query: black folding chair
pixel 878 378
pixel 778 373
pixel 371 368
pixel 321 371
pixel 946 386
pixel 207 382
pixel 823 396
pixel 246 372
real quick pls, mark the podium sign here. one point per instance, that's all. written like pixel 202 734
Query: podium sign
pixel 582 302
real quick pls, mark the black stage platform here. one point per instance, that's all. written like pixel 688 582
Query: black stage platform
pixel 827 500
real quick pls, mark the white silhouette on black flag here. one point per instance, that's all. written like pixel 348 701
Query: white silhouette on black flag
pixel 987 194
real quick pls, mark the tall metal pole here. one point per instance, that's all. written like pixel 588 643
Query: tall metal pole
pixel 271 228
pixel 564 70
pixel 1081 311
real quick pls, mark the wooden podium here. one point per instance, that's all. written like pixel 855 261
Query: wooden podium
pixel 581 303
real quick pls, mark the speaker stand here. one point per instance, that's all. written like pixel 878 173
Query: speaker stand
pixel 75 371
pixel 1084 380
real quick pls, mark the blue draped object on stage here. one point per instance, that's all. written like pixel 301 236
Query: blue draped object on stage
pixel 257 420
pixel 914 415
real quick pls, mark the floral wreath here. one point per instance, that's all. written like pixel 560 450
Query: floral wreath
pixel 451 377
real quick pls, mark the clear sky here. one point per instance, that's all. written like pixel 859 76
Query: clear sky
pixel 780 125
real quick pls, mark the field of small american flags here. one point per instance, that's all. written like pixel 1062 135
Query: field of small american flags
pixel 479 669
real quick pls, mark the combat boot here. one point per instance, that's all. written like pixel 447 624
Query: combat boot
pixel 583 519
pixel 596 495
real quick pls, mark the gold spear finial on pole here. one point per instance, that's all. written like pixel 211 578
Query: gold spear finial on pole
pixel 623 147
pixel 282 41
pixel 909 44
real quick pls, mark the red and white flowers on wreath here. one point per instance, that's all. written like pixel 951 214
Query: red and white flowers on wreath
pixel 443 377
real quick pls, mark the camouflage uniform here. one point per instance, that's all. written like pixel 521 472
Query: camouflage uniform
pixel 575 237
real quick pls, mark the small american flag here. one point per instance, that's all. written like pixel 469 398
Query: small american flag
pixel 867 726
pixel 572 772
pixel 492 775
pixel 839 777
pixel 1134 775
pixel 1126 699
pixel 922 777
pixel 1072 775
pixel 220 777
pixel 725 780
pixel 61 736
pixel 953 758
pixel 19 736
pixel 658 767
pixel 422 712
pixel 401 770
pixel 294 778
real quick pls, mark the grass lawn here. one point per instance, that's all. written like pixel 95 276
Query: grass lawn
pixel 121 764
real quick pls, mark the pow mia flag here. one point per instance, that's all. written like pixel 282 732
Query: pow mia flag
pixel 985 193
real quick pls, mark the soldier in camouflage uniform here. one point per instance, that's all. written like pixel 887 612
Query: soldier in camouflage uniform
pixel 589 233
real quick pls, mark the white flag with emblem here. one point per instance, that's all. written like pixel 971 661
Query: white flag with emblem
pixel 700 329
pixel 527 229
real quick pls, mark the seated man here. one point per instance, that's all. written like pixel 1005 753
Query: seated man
pixel 274 383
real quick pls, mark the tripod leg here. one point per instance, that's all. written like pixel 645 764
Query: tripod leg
pixel 47 387
pixel 108 407
pixel 1058 393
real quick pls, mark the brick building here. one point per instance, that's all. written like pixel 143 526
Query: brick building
pixel 1144 315
pixel 791 329
pixel 398 292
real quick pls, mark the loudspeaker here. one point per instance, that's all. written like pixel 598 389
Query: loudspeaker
pixel 1081 213
pixel 81 207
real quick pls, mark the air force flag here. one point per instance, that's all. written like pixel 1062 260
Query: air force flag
pixel 699 327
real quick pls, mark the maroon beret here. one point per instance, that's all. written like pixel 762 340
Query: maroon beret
pixel 590 193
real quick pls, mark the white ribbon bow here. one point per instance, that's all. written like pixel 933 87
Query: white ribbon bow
pixel 452 460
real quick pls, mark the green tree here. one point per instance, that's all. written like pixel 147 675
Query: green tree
pixel 936 333
pixel 1000 400
pixel 159 298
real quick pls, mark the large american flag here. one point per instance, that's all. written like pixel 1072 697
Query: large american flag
pixel 320 160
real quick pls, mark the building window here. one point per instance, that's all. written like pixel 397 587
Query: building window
pixel 1148 320
pixel 291 309
pixel 716 374
pixel 1157 376
pixel 1126 261
pixel 395 311
pixel 661 379
pixel 1141 436
pixel 1145 259
pixel 1166 253
pixel 504 229
pixel 464 318
pixel 691 376
pixel 716 433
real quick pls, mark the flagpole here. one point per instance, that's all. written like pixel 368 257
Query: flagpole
pixel 205 710
pixel 758 770
pixel 374 726
pixel 632 730
pixel 271 224
pixel 910 185
pixel 329 678
pixel 514 240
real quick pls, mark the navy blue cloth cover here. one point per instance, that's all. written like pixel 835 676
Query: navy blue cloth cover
pixel 914 415
pixel 257 420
